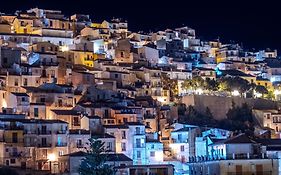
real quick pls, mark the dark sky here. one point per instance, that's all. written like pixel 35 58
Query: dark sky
pixel 246 21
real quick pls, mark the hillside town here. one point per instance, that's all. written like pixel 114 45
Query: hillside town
pixel 162 102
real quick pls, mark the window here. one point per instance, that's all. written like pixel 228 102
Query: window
pixel 5 60
pixel 25 81
pixel 125 120
pixel 152 154
pixel 137 130
pixel 60 153
pixel 42 100
pixel 14 137
pixel 268 116
pixel 109 146
pixel 23 99
pixel 138 154
pixel 179 137
pixel 51 23
pixel 79 143
pixel 182 148
pixel 36 112
pixel 106 113
pixel 122 54
pixel 138 143
pixel 123 134
pixel 116 75
pixel 16 82
pixel 13 161
pixel 123 146
pixel 76 121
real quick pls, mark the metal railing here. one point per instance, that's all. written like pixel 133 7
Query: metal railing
pixel 250 173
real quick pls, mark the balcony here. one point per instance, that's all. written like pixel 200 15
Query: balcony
pixel 42 132
pixel 250 173
pixel 179 140
pixel 61 144
pixel 27 144
pixel 80 146
pixel 29 132
pixel 46 145
pixel 13 140
pixel 61 132
pixel 230 157
pixel 140 146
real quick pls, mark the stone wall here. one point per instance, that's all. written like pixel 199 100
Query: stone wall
pixel 219 106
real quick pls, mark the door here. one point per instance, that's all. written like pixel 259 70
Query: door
pixel 259 170
pixel 238 169
pixel 15 137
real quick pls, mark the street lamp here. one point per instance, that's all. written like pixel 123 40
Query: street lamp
pixel 51 158
pixel 235 93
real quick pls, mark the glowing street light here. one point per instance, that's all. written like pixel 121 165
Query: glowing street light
pixel 199 91
pixel 64 48
pixel 51 157
pixel 235 93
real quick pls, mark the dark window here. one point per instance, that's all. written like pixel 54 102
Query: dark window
pixel 36 111
pixel 25 81
pixel 13 161
pixel 76 121
pixel 15 137
pixel 5 60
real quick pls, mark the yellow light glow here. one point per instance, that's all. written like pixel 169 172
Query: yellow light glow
pixel 199 91
pixel 51 157
pixel 64 48
pixel 258 95
pixel 235 93
pixel 277 92
pixel 4 104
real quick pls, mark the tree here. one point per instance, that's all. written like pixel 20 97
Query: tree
pixel 261 89
pixel 94 162
pixel 194 83
pixel 238 118
pixel 211 85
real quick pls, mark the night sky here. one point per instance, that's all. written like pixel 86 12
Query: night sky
pixel 245 21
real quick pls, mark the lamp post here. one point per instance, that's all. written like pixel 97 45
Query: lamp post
pixel 51 158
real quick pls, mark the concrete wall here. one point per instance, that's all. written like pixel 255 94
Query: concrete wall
pixel 219 106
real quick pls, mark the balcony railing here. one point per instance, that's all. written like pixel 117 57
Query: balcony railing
pixel 79 146
pixel 179 140
pixel 47 145
pixel 250 173
pixel 230 157
pixel 13 140
pixel 44 132
pixel 61 144
pixel 61 132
